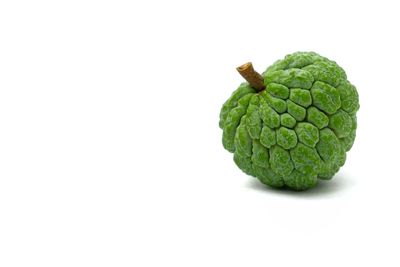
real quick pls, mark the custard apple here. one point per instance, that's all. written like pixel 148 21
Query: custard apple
pixel 294 123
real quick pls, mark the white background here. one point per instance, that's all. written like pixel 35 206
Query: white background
pixel 111 155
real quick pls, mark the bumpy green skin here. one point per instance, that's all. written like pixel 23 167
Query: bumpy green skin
pixel 299 128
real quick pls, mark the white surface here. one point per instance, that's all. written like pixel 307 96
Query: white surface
pixel 111 155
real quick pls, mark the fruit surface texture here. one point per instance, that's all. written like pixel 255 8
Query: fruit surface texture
pixel 298 127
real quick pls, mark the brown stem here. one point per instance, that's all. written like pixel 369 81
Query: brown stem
pixel 251 76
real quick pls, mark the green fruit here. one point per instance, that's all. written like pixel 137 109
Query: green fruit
pixel 295 125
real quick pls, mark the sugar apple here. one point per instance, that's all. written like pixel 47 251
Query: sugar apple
pixel 294 123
